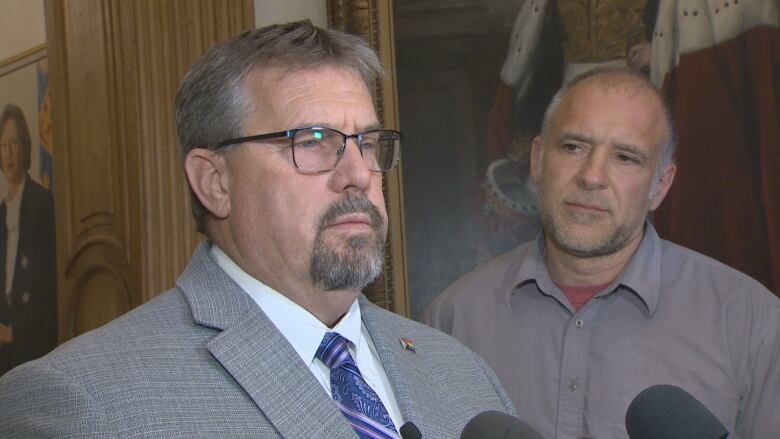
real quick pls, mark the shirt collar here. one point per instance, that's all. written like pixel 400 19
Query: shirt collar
pixel 534 269
pixel 300 327
pixel 641 276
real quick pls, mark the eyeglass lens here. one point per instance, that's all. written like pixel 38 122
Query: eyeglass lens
pixel 317 149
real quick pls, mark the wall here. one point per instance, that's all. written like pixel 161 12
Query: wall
pixel 283 11
pixel 22 26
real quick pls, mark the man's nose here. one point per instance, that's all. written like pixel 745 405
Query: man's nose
pixel 593 172
pixel 352 170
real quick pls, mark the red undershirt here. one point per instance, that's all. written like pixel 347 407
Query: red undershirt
pixel 579 296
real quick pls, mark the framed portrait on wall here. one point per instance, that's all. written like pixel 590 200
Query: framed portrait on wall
pixel 468 195
pixel 456 201
pixel 28 275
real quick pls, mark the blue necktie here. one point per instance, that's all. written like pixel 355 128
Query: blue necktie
pixel 356 400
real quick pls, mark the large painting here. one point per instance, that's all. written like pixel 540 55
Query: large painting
pixel 28 293
pixel 456 200
pixel 463 187
pixel 467 198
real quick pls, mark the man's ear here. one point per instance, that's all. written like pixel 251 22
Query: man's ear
pixel 536 151
pixel 665 182
pixel 206 172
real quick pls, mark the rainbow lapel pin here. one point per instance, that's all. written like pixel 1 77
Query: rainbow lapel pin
pixel 408 345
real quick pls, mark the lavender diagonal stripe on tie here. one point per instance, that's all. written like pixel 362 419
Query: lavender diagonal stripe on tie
pixel 357 401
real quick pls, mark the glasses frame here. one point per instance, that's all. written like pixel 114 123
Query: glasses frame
pixel 290 134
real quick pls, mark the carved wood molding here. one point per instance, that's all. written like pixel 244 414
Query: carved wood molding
pixel 124 229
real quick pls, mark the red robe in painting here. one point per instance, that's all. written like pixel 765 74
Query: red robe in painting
pixel 724 86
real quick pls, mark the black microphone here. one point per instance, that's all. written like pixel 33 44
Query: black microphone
pixel 493 424
pixel 410 431
pixel 669 412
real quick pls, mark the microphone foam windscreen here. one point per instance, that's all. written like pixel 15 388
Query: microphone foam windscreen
pixel 410 431
pixel 494 424
pixel 669 412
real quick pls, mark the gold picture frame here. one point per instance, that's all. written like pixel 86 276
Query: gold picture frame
pixel 372 20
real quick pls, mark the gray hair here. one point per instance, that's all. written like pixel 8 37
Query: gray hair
pixel 611 75
pixel 211 105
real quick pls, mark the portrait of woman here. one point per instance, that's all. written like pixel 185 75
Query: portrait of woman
pixel 28 300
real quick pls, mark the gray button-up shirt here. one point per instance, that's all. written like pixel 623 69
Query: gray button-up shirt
pixel 673 316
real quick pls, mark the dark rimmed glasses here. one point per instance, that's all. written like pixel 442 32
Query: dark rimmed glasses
pixel 319 149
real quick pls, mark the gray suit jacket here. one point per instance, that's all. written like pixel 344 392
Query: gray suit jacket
pixel 202 360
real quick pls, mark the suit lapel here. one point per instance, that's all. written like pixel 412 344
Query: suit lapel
pixel 406 371
pixel 257 356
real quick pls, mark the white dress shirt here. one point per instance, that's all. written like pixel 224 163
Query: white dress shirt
pixel 305 332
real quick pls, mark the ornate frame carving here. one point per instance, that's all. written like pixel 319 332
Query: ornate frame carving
pixel 372 20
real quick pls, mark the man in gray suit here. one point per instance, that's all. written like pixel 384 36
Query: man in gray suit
pixel 266 333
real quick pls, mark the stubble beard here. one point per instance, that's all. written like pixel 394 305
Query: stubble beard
pixel 556 229
pixel 353 264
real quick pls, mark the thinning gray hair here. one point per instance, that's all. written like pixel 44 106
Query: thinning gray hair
pixel 211 105
pixel 619 76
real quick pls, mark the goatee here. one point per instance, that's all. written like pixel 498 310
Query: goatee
pixel 356 262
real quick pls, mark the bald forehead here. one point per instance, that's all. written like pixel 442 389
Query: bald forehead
pixel 627 85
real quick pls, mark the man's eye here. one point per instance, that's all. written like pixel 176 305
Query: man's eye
pixel 312 138
pixel 310 143
pixel 627 159
pixel 368 144
pixel 571 147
